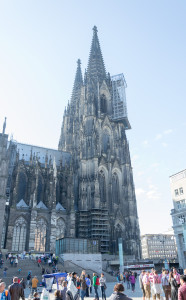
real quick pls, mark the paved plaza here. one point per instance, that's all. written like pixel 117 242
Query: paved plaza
pixel 110 285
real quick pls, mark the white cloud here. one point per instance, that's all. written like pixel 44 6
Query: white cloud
pixel 168 131
pixel 158 136
pixel 164 145
pixel 151 193
pixel 139 191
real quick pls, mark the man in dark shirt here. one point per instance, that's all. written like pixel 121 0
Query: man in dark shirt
pixel 16 290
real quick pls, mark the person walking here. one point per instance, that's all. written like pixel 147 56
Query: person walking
pixel 16 290
pixel 83 285
pixel 34 284
pixel 141 283
pixel 28 279
pixel 102 282
pixel 176 276
pixel 88 283
pixel 174 287
pixel 16 262
pixel 156 286
pixel 132 281
pixel 128 280
pixel 165 284
pixel 95 285
pixel 182 289
pixel 146 284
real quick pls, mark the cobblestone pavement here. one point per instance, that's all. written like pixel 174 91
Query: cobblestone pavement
pixel 137 295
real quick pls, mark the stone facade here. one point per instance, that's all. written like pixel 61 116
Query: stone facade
pixel 4 162
pixel 178 213
pixel 84 189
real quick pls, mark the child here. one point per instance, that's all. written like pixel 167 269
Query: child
pixel 4 272
pixel 36 296
pixel 63 290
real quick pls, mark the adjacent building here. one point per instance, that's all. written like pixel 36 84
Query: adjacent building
pixel 85 189
pixel 158 246
pixel 178 213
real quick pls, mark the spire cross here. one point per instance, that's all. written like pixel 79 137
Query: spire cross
pixel 95 29
pixel 79 62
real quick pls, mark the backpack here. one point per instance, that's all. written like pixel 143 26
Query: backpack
pixel 83 283
pixel 97 281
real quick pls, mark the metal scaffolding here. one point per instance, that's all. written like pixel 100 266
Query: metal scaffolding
pixel 119 99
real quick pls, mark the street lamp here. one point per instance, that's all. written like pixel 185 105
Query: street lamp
pixel 166 263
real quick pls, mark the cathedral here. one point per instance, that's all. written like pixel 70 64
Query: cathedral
pixel 84 189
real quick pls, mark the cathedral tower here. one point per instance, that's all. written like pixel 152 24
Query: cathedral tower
pixel 94 132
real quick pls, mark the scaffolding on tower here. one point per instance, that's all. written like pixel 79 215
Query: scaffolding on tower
pixel 119 104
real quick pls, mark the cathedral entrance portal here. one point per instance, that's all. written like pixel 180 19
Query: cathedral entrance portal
pixel 19 235
pixel 40 235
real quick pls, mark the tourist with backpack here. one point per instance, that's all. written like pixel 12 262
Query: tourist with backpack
pixel 88 282
pixel 95 281
pixel 83 285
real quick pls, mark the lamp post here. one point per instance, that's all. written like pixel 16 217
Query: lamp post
pixel 166 263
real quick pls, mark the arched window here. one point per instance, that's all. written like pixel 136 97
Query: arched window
pixel 60 228
pixel 19 235
pixel 102 186
pixel 40 235
pixel 115 189
pixel 39 189
pixel 103 104
pixel 21 188
pixel 105 141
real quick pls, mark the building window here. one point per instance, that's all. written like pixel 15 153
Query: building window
pixel 60 228
pixel 102 186
pixel 181 219
pixel 176 192
pixel 115 189
pixel 19 235
pixel 40 235
pixel 181 191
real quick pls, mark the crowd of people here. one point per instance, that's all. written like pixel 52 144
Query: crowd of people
pixel 171 283
pixel 128 277
pixel 73 287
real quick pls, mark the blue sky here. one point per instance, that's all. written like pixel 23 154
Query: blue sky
pixel 40 42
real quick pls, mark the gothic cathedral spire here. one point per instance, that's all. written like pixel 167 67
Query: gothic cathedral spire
pixel 96 68
pixel 78 82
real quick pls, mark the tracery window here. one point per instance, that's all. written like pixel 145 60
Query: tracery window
pixel 105 141
pixel 19 235
pixel 39 189
pixel 40 235
pixel 60 228
pixel 103 104
pixel 115 189
pixel 102 186
pixel 21 188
